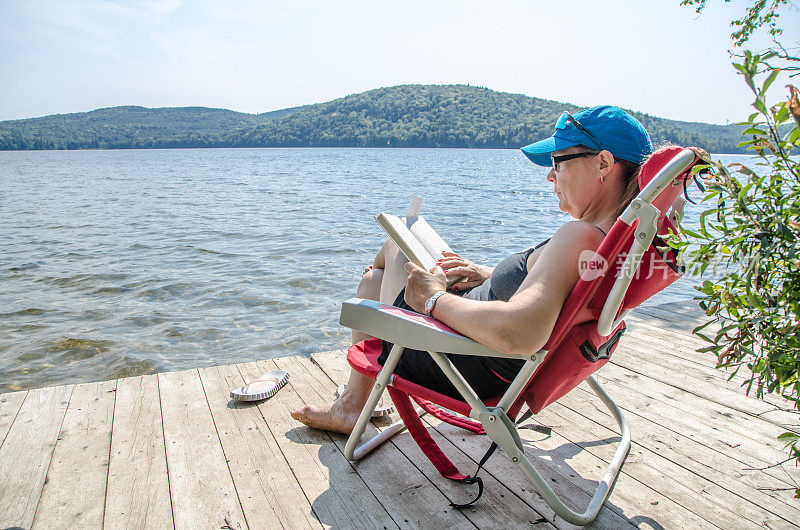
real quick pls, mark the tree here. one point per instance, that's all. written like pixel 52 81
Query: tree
pixel 751 231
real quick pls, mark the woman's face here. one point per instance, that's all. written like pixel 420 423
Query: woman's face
pixel 575 181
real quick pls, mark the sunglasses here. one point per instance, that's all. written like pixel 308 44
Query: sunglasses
pixel 571 119
pixel 557 159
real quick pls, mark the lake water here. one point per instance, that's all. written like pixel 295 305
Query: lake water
pixel 117 263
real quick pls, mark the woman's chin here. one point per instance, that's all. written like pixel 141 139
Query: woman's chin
pixel 568 212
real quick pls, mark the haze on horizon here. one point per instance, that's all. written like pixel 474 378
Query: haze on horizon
pixel 253 56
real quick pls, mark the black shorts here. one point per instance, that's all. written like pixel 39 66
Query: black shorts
pixel 419 367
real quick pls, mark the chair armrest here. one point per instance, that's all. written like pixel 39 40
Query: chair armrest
pixel 410 329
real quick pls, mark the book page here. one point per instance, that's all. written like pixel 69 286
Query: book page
pixel 405 239
pixel 428 237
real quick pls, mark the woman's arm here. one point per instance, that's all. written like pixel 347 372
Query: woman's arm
pixel 524 323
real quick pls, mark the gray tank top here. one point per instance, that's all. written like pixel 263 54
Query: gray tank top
pixel 506 277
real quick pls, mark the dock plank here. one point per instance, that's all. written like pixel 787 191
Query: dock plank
pixel 201 488
pixel 681 448
pixel 138 486
pixel 708 386
pixel 26 453
pixel 751 438
pixel 10 404
pixel 571 472
pixel 676 316
pixel 268 490
pixel 338 495
pixel 74 491
pixel 499 506
pixel 652 357
pixel 702 496
pixel 656 325
pixel 681 345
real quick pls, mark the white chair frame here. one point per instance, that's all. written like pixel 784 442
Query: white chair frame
pixel 372 318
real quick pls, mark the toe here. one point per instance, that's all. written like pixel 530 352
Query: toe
pixel 299 413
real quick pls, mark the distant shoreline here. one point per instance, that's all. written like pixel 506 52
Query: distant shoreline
pixel 405 116
pixel 293 148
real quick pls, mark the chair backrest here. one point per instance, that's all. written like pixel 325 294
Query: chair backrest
pixel 658 269
pixel 575 349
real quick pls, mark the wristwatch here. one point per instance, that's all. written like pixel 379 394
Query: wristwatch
pixel 430 303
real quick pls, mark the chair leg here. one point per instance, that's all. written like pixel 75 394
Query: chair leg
pixel 379 439
pixel 354 452
pixel 503 431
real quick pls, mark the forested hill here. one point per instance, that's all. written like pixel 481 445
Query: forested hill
pixel 401 116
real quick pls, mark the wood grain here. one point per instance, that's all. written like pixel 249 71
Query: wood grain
pixel 10 404
pixel 26 453
pixel 138 486
pixel 268 490
pixel 201 487
pixel 74 493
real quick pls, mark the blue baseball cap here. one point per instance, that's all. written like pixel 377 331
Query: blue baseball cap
pixel 602 128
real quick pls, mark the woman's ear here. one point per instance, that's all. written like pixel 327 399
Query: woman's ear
pixel 606 164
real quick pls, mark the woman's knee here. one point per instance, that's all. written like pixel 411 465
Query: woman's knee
pixel 379 262
pixel 370 285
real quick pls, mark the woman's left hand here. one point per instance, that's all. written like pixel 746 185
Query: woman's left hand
pixel 422 284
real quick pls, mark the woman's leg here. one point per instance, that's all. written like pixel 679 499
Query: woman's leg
pixel 394 274
pixel 342 414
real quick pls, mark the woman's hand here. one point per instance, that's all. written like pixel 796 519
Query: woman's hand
pixel 455 266
pixel 422 284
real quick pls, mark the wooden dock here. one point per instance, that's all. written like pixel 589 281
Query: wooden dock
pixel 172 450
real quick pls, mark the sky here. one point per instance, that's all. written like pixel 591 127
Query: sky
pixel 653 56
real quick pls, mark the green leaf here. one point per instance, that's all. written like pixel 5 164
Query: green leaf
pixel 789 437
pixel 770 78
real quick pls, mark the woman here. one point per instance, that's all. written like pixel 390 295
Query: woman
pixel 595 158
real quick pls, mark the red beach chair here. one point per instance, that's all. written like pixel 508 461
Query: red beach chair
pixel 627 269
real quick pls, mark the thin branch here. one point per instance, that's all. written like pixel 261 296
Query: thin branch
pixel 768 467
pixel 785 54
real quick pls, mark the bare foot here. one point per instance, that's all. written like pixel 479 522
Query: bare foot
pixel 329 417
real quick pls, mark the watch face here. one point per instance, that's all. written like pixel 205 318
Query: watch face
pixel 431 302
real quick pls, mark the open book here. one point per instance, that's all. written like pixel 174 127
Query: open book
pixel 415 237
